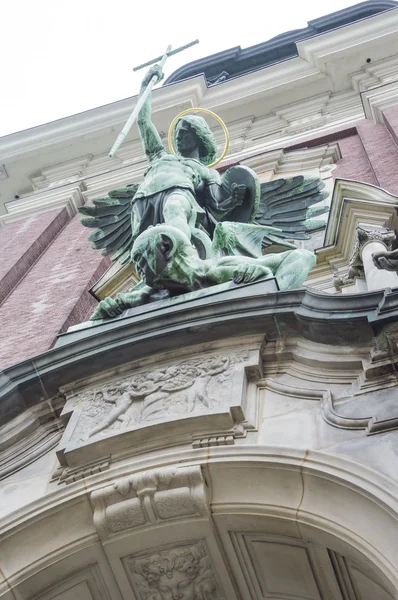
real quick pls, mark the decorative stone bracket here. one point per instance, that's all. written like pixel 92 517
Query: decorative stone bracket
pixel 149 498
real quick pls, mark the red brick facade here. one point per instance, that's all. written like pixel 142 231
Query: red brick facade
pixel 22 242
pixel 53 293
pixel 382 152
pixel 354 163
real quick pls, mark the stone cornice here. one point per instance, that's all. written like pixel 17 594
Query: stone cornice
pixel 310 65
pixel 22 143
pixel 377 99
pixel 68 196
pixel 236 61
pixel 245 310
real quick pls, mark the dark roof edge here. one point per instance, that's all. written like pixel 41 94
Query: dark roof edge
pixel 236 61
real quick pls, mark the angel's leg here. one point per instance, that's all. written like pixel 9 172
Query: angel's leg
pixel 290 268
pixel 177 211
pixel 239 268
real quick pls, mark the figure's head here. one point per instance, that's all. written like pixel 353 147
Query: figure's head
pixel 155 249
pixel 192 131
pixel 181 573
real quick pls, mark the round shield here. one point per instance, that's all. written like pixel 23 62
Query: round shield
pixel 246 209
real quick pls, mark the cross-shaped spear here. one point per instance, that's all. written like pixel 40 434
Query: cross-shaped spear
pixel 141 100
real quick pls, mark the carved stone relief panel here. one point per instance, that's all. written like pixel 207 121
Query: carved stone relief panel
pixel 184 572
pixel 173 391
pixel 207 385
pixel 148 498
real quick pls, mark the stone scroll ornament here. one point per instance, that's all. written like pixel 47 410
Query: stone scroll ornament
pixel 186 228
pixel 182 572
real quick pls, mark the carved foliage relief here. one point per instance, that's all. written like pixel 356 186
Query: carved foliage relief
pixel 182 572
pixel 169 392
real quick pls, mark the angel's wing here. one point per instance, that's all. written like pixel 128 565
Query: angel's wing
pixel 244 239
pixel 288 205
pixel 111 217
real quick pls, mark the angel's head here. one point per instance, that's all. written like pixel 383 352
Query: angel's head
pixel 192 132
pixel 154 252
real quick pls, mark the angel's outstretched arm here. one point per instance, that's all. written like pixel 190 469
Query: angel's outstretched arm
pixel 148 132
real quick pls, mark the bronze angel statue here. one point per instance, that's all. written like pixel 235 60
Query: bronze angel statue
pixel 185 227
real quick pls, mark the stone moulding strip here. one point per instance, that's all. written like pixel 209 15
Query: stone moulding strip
pixel 30 436
pixel 371 424
pixel 376 487
pixel 242 311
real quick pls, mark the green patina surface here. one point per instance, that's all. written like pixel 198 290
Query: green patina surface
pixel 186 228
pixel 165 260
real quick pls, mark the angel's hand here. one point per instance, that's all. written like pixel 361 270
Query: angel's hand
pixel 112 307
pixel 154 71
pixel 386 260
pixel 250 272
pixel 236 198
pixel 238 192
pixel 106 309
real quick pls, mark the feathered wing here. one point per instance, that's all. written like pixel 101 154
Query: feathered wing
pixel 111 217
pixel 245 239
pixel 288 204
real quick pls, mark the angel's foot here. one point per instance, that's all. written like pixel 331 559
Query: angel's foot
pixel 106 309
pixel 247 273
pixel 112 307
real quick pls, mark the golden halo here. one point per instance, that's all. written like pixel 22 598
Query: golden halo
pixel 208 112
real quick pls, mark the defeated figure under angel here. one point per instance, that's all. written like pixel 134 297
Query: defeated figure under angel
pixel 186 228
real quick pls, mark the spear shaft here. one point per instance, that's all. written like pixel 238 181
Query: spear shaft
pixel 138 106
pixel 141 101
pixel 171 53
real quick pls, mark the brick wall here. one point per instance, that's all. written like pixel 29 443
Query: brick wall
pixel 390 116
pixel 354 162
pixel 51 296
pixel 382 152
pixel 22 242
pixel 369 152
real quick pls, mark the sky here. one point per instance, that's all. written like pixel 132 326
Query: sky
pixel 61 57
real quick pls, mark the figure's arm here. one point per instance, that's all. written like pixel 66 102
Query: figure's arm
pixel 386 260
pixel 148 132
pixel 217 198
pixel 221 204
